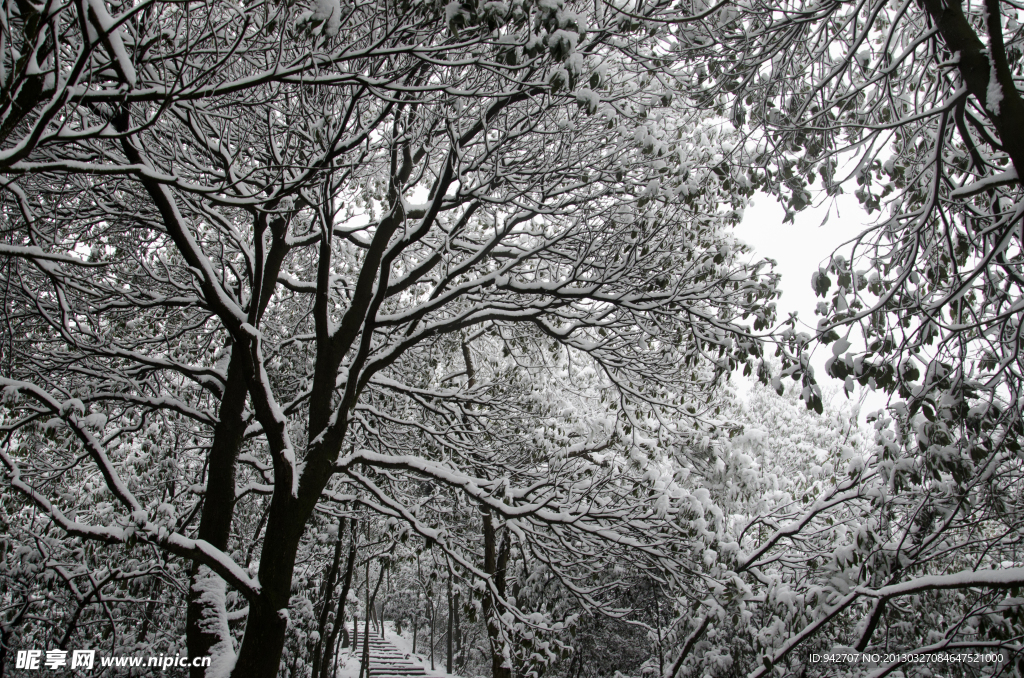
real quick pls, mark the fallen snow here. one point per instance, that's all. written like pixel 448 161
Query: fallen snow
pixel 348 663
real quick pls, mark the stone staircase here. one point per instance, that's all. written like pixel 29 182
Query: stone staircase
pixel 386 661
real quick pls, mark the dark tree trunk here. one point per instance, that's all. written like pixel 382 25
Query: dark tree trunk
pixel 327 602
pixel 144 631
pixel 364 669
pixel 377 626
pixel 657 625
pixel 290 508
pixel 263 642
pixel 339 618
pixel 336 653
pixel 459 644
pixel 495 563
pixel 978 63
pixel 451 621
pixel 218 507
pixel 364 664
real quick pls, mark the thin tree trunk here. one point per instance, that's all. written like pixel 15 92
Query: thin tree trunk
pixel 327 596
pixel 336 655
pixel 376 620
pixel 451 621
pixel 144 631
pixel 460 645
pixel 364 665
pixel 337 652
pixel 339 618
pixel 495 563
pixel 364 669
pixel 657 625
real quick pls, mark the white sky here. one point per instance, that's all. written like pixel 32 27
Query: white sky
pixel 800 248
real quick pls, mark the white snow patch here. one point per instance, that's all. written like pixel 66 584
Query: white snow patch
pixel 330 12
pixel 994 94
pixel 215 621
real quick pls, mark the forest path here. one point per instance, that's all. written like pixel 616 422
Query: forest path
pixel 387 661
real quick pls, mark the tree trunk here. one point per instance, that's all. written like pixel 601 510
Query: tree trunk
pixel 203 621
pixel 364 665
pixel 459 644
pixel 334 672
pixel 327 605
pixel 978 64
pixel 451 620
pixel 364 669
pixel 339 618
pixel 657 626
pixel 263 642
pixel 495 562
pixel 291 505
pixel 377 623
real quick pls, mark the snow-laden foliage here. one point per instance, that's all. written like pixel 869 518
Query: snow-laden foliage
pixel 844 541
pixel 315 308
pixel 914 107
pixel 270 265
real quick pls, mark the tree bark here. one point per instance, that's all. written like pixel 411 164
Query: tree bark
pixel 460 646
pixel 495 563
pixel 339 618
pixel 327 601
pixel 364 669
pixel 364 665
pixel 263 642
pixel 451 620
pixel 433 618
pixel 976 69
pixel 201 632
pixel 290 509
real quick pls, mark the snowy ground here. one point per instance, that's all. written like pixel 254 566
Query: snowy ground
pixel 348 664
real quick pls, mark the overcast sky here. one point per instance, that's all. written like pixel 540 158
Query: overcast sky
pixel 800 248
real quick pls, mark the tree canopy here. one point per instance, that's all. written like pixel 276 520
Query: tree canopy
pixel 438 303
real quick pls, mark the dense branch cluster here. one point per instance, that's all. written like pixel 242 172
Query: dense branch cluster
pixel 437 303
pixel 250 263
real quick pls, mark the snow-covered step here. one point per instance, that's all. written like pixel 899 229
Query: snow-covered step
pixel 387 661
